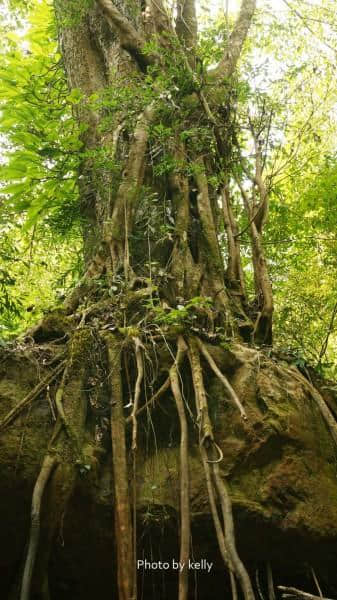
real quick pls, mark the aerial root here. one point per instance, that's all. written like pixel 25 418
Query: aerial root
pixel 270 582
pixel 163 388
pixel 222 378
pixel 41 482
pixel 63 419
pixel 140 376
pixel 258 585
pixel 320 402
pixel 217 460
pixel 316 582
pixel 227 514
pixel 215 483
pixel 185 526
pixel 126 566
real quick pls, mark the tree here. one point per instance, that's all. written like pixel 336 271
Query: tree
pixel 162 163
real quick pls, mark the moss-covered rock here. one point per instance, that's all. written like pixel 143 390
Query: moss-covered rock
pixel 280 466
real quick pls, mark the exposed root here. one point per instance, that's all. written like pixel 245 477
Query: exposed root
pixel 323 407
pixel 9 418
pixel 233 586
pixel 214 511
pixel 258 585
pixel 206 436
pixel 41 482
pixel 222 378
pixel 270 582
pixel 291 592
pixel 139 380
pixel 316 582
pixel 227 514
pixel 217 460
pixel 123 524
pixel 140 375
pixel 68 428
pixel 185 525
pixel 163 388
pixel 226 538
pixel 204 423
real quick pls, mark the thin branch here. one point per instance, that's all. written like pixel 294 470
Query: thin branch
pixel 304 21
pixel 329 332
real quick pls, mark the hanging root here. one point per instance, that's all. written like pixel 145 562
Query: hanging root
pixel 270 582
pixel 316 582
pixel 215 515
pixel 140 376
pixel 63 419
pixel 163 388
pixel 227 514
pixel 185 527
pixel 123 524
pixel 323 407
pixel 41 482
pixel 222 378
pixel 258 585
pixel 226 535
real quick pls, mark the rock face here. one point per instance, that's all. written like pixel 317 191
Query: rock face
pixel 280 466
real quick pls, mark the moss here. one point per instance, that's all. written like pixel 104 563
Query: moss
pixel 81 348
pixel 281 464
pixel 53 326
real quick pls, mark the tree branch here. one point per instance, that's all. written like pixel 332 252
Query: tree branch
pixel 227 64
pixel 186 23
pixel 129 36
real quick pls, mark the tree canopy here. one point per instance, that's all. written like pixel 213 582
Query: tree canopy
pixel 285 92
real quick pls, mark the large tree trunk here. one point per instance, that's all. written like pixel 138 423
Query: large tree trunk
pixel 157 304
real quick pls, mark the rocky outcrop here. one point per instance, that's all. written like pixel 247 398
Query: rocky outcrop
pixel 280 465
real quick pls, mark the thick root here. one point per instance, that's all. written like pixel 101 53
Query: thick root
pixel 227 514
pixel 226 536
pixel 222 378
pixel 126 565
pixel 185 520
pixel 270 582
pixel 41 482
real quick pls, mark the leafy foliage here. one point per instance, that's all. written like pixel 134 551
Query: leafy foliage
pixel 39 208
pixel 286 90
